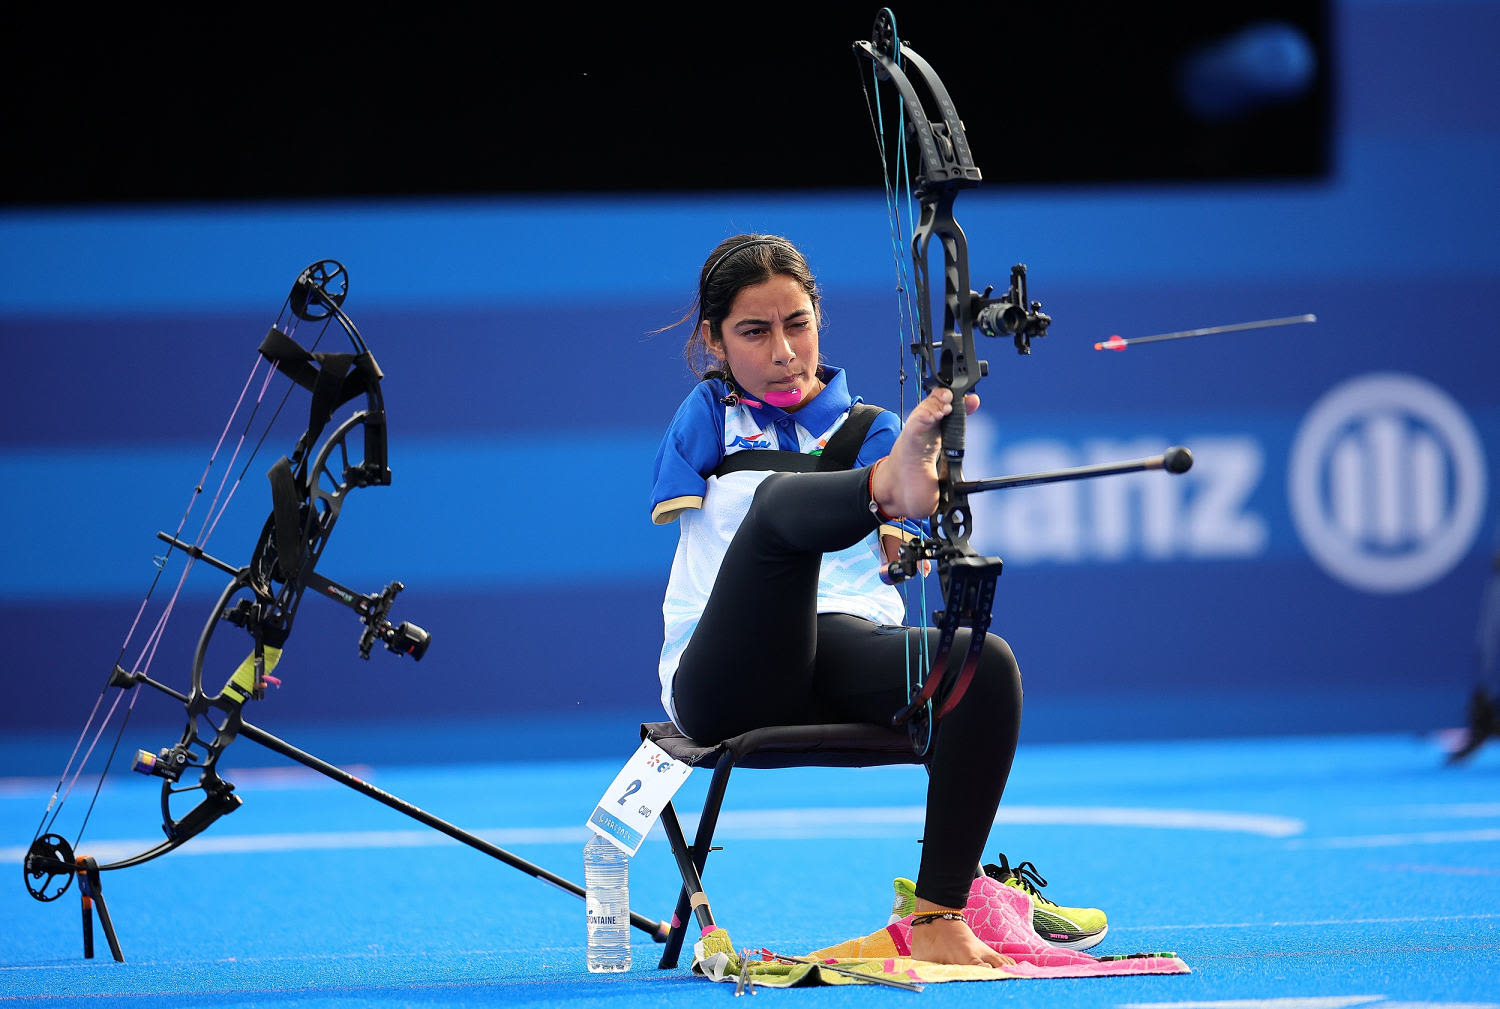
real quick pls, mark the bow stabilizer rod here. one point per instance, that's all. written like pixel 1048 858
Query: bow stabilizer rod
pixel 1174 460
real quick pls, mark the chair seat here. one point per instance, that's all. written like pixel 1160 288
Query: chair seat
pixel 845 744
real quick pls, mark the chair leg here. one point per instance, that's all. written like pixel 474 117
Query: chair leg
pixel 691 884
pixel 690 862
pixel 678 933
pixel 708 821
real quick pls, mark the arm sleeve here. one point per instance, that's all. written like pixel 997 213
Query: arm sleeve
pixel 690 450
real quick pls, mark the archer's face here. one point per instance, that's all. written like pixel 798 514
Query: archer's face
pixel 771 343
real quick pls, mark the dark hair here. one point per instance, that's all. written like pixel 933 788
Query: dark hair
pixel 738 263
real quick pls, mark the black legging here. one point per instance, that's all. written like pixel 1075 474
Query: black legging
pixel 761 655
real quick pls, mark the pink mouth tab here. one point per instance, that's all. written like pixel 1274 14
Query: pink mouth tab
pixel 784 398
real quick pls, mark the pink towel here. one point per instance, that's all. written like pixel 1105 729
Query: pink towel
pixel 1000 916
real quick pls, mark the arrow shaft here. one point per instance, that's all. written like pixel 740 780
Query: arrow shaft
pixel 1290 320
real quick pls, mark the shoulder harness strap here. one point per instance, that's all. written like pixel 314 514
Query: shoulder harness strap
pixel 840 452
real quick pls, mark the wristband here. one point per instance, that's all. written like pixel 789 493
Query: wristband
pixel 870 491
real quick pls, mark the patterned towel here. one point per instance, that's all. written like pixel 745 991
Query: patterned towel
pixel 999 915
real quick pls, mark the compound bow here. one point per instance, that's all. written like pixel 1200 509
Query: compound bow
pixel 308 490
pixel 950 358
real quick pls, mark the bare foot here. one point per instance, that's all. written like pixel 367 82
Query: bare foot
pixel 905 483
pixel 944 941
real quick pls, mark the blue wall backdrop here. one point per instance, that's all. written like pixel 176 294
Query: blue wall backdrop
pixel 1321 566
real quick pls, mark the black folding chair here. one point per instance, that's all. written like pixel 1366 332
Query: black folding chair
pixel 842 745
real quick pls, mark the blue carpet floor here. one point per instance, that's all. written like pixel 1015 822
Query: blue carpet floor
pixel 1294 873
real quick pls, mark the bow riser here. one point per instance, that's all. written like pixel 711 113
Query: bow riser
pixel 306 509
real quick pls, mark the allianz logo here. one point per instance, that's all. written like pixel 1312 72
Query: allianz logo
pixel 1203 514
pixel 1385 480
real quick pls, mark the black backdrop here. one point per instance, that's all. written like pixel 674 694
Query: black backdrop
pixel 228 103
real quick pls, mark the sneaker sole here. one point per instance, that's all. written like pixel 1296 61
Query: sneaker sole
pixel 1067 940
pixel 1075 940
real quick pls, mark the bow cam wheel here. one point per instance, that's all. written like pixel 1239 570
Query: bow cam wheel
pixel 49 867
pixel 321 288
pixel 883 35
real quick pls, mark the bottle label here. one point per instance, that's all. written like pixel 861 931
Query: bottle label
pixel 634 800
pixel 599 915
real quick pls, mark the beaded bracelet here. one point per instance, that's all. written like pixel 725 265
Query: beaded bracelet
pixel 926 916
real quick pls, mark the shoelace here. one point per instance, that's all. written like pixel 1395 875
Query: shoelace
pixel 1026 876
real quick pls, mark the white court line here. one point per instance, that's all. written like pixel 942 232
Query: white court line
pixel 385 957
pixel 1455 809
pixel 250 844
pixel 1311 1002
pixel 264 779
pixel 1291 1002
pixel 857 822
pixel 1319 923
pixel 1398 840
pixel 1264 824
pixel 745 824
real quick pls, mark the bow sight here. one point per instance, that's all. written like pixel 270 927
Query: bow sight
pixel 1009 315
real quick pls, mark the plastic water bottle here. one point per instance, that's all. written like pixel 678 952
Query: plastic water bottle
pixel 606 878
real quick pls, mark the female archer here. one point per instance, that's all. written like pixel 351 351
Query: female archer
pixel 775 611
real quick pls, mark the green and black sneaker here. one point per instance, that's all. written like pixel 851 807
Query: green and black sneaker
pixel 1069 927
